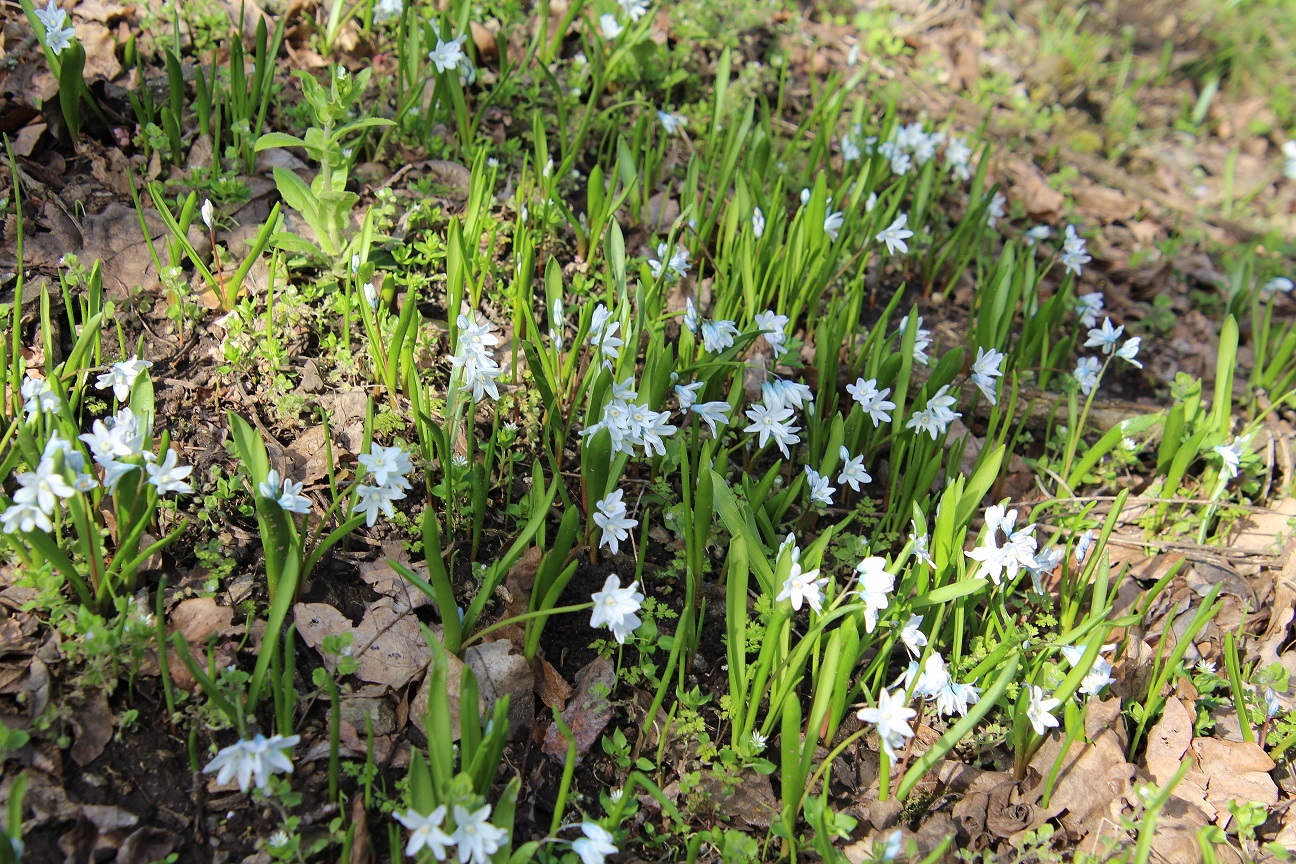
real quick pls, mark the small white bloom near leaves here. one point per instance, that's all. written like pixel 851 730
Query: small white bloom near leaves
pixel 1089 307
pixel 1086 374
pixel 995 211
pixel 853 472
pixel 447 56
pixel 168 476
pixel 603 333
pixel 473 356
pixel 773 423
pixel 596 845
pixel 1129 351
pixel 934 418
pixel 985 370
pixel 38 396
pixel 1082 546
pixel 802 587
pixel 912 636
pixel 387 10
pixel 288 496
pixel 635 9
pixel 872 402
pixel 875 587
pixel 718 336
pixel 1277 285
pixel 922 339
pixel 611 517
pixel 1104 337
pixel 387 465
pixel 1074 256
pixel 121 377
pixel 895 235
pixel 257 758
pixel 758 223
pixel 1039 712
pixel 609 25
pixel 712 413
pixel 1231 457
pixel 891 716
pixel 676 263
pixel 1289 157
pixel 617 607
pixel 833 224
pixel 688 394
pixel 57 37
pixel 426 832
pixel 921 552
pixel 475 836
pixel 672 123
pixel 820 491
pixel 773 323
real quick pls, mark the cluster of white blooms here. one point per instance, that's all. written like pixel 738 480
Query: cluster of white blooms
pixel 958 157
pixel 820 491
pixel 934 418
pixel 1089 307
pixel 908 146
pixel 711 412
pixel 1019 550
pixel 1074 255
pixel 556 324
pixel 630 424
pixel 617 608
pixel 387 467
pixel 673 261
pixel 57 37
pixel 473 356
pixel 38 397
pixel 475 838
pixel 933 681
pixel 872 401
pixel 775 415
pixel 256 758
pixel 758 222
pixel 1105 337
pixel 611 517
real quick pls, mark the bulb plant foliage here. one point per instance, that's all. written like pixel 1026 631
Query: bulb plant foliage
pixel 753 407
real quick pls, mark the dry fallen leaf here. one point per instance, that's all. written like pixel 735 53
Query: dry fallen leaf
pixel 199 618
pixel 387 643
pixel 587 713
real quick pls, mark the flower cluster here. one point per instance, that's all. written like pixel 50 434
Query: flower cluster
pixel 674 261
pixel 387 466
pixel 475 838
pixel 611 517
pixel 800 586
pixel 935 417
pixel 288 495
pixel 57 37
pixel 1018 551
pixel 473 356
pixel 872 401
pixel 630 424
pixel 909 146
pixel 617 607
pixel 256 758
